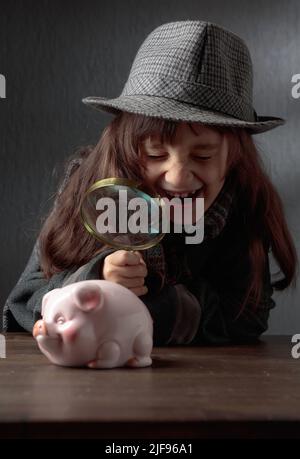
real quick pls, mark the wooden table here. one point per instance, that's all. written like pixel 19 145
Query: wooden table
pixel 250 391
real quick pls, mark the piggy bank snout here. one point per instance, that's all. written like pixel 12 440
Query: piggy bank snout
pixel 39 328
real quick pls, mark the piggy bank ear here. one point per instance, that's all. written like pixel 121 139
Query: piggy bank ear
pixel 46 298
pixel 89 297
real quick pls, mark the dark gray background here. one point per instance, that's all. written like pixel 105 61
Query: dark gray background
pixel 54 53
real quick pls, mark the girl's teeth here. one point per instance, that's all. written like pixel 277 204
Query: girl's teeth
pixel 182 195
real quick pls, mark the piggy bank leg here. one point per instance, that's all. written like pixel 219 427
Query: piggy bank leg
pixel 107 356
pixel 142 348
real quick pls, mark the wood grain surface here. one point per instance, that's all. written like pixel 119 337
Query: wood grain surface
pixel 248 391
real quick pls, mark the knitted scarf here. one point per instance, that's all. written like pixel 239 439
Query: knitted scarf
pixel 168 271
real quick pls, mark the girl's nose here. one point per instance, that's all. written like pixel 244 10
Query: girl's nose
pixel 179 176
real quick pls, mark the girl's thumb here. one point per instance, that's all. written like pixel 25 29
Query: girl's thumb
pixel 140 257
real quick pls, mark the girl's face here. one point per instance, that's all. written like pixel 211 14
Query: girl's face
pixel 194 165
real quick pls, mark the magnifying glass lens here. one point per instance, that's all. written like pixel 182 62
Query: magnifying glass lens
pixel 119 214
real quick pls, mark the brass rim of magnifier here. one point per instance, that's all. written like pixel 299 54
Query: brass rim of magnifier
pixel 126 182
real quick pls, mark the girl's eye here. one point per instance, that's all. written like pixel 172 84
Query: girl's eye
pixel 156 156
pixel 202 158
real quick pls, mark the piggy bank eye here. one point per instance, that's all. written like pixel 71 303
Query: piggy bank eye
pixel 59 320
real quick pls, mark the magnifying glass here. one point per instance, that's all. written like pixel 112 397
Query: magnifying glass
pixel 120 214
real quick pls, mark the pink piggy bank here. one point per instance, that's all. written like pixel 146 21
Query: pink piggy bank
pixel 95 323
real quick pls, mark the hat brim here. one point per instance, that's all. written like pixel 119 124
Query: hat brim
pixel 160 107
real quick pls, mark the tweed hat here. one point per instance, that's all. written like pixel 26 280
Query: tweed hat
pixel 192 71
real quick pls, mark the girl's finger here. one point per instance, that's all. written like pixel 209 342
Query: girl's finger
pixel 131 282
pixel 132 271
pixel 125 257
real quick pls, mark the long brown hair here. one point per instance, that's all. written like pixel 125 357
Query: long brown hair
pixel 65 244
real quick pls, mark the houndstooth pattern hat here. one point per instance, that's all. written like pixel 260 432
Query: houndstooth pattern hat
pixel 191 71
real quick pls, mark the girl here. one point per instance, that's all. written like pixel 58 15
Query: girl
pixel 183 125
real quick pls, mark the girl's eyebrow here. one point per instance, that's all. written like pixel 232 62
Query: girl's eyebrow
pixel 198 145
pixel 205 145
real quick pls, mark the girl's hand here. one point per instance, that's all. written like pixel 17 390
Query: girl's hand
pixel 127 269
